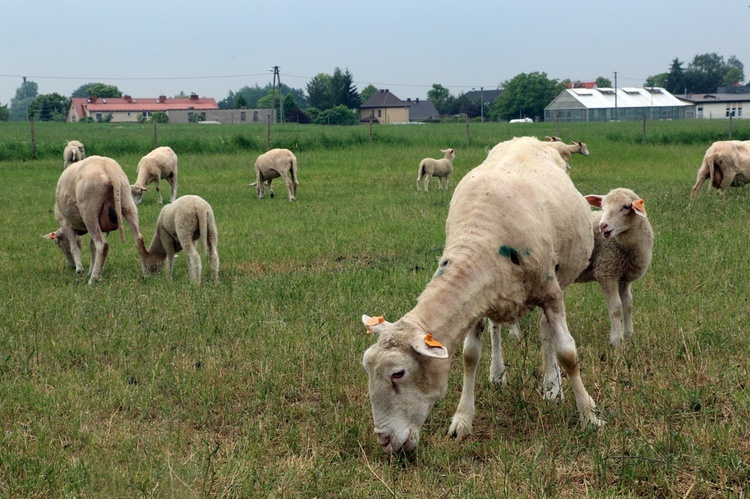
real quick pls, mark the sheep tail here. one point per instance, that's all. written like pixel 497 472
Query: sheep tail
pixel 420 173
pixel 293 170
pixel 118 207
pixel 203 229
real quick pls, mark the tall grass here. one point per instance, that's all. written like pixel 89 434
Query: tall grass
pixel 253 387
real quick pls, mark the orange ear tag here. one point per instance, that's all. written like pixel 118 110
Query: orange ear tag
pixel 433 343
pixel 640 205
pixel 374 321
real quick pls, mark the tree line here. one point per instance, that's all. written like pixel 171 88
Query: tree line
pixel 334 99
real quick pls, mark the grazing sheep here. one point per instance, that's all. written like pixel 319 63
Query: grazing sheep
pixel 92 196
pixel 726 163
pixel 517 233
pixel 74 151
pixel 180 224
pixel 566 151
pixel 161 163
pixel 623 243
pixel 440 168
pixel 273 164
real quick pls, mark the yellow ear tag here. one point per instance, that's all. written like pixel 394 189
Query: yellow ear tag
pixel 433 343
pixel 640 205
pixel 374 321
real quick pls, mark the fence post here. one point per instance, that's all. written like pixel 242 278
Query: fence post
pixel 644 127
pixel 371 129
pixel 467 129
pixel 558 125
pixel 156 135
pixel 730 124
pixel 33 137
pixel 268 132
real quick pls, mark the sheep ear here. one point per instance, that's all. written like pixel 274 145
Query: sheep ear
pixel 426 345
pixel 639 207
pixel 594 200
pixel 51 236
pixel 375 324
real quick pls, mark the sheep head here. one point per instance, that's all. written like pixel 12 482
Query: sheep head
pixel 583 149
pixel 136 191
pixel 62 242
pixel 450 154
pixel 618 209
pixel 407 373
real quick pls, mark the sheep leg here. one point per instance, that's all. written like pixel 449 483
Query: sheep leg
pixel 702 177
pixel 158 191
pixel 498 368
pixel 565 349
pixel 270 189
pixel 614 305
pixel 551 384
pixel 464 417
pixel 626 297
pixel 74 242
pixel 289 185
pixel 168 244
pixel 195 268
pixel 172 181
pixel 427 177
pixel 213 259
pixel 100 248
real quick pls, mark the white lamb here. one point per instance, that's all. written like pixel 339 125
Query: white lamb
pixel 518 232
pixel 273 164
pixel 566 151
pixel 181 223
pixel 74 151
pixel 161 163
pixel 93 196
pixel 726 162
pixel 623 243
pixel 440 168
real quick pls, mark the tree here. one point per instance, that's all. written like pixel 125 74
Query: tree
pixel 240 102
pixel 343 90
pixel 290 106
pixel 659 80
pixel 367 92
pixel 603 82
pixel 319 92
pixel 337 115
pixel 4 112
pixel 707 72
pixel 19 105
pixel 735 72
pixel 525 95
pixel 98 89
pixel 440 96
pixel 50 107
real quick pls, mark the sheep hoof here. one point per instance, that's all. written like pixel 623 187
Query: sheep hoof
pixel 460 428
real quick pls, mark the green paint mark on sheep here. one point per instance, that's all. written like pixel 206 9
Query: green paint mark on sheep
pixel 510 252
pixel 442 268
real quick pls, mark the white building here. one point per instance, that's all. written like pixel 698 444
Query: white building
pixel 621 104
pixel 718 105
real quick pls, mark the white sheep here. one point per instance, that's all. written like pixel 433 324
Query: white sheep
pixel 74 151
pixel 161 163
pixel 518 232
pixel 623 244
pixel 273 164
pixel 440 168
pixel 726 162
pixel 93 196
pixel 181 223
pixel 565 150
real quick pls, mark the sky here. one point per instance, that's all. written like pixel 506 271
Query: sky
pixel 155 47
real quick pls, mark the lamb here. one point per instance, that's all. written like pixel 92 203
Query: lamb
pixel 566 151
pixel 493 265
pixel 623 244
pixel 273 164
pixel 180 224
pixel 161 163
pixel 440 168
pixel 92 196
pixel 726 163
pixel 74 151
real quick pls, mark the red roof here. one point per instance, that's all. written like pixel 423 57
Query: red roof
pixel 140 104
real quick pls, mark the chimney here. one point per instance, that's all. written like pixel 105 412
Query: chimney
pixel 92 98
pixel 162 98
pixel 127 98
pixel 193 96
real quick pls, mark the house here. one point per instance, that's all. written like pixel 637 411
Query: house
pixel 384 107
pixel 717 105
pixel 616 104
pixel 224 116
pixel 128 109
pixel 422 110
pixel 486 96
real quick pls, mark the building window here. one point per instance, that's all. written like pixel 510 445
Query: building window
pixel 98 116
pixel 243 116
pixel 255 116
pixel 146 114
pixel 380 113
pixel 190 117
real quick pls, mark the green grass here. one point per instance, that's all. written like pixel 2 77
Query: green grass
pixel 252 387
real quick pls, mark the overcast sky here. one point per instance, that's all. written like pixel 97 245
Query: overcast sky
pixel 153 47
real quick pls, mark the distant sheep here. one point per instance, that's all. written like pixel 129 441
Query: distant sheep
pixel 725 163
pixel 161 163
pixel 74 151
pixel 440 168
pixel 518 232
pixel 92 196
pixel 273 164
pixel 180 224
pixel 566 151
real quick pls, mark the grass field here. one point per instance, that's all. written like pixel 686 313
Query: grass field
pixel 252 387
